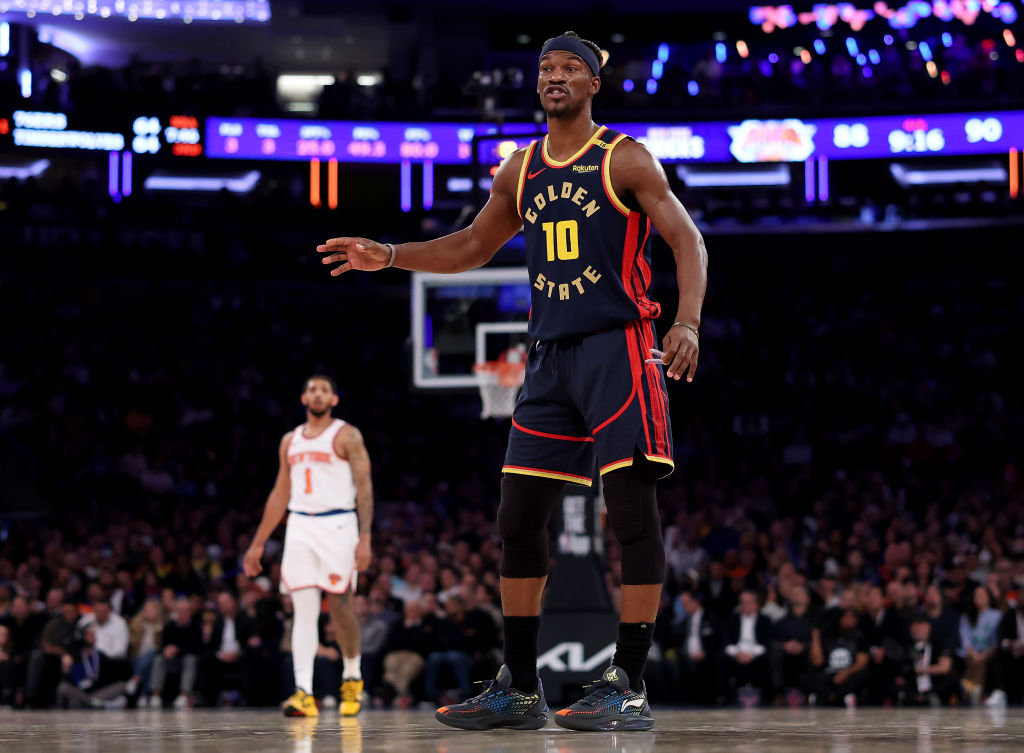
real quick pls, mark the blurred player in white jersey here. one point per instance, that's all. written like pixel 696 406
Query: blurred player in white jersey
pixel 324 483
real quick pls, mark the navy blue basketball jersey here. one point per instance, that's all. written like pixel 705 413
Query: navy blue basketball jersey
pixel 588 255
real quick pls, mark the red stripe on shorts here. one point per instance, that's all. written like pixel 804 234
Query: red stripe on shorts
pixel 636 362
pixel 658 408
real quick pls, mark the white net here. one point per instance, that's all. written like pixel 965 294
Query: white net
pixel 499 385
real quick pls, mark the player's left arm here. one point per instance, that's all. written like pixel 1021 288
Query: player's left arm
pixel 638 175
pixel 350 445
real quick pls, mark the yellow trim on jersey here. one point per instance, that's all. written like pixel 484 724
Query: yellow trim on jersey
pixel 660 459
pixel 606 176
pixel 653 458
pixel 552 162
pixel 616 466
pixel 527 156
pixel 547 474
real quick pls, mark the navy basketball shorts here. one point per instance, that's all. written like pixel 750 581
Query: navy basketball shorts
pixel 591 402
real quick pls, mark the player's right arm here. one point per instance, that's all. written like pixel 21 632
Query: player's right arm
pixel 468 248
pixel 277 504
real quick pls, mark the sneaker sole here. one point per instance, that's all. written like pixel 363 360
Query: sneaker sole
pixel 490 722
pixel 618 722
pixel 298 712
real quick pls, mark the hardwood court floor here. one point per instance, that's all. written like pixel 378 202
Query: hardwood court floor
pixel 692 731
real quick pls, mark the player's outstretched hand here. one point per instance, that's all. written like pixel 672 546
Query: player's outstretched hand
pixel 681 351
pixel 251 563
pixel 354 253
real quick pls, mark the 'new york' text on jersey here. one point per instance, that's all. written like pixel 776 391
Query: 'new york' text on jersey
pixel 588 254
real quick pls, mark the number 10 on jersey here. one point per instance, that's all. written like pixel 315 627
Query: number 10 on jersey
pixel 562 239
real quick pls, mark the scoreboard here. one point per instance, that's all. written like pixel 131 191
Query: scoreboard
pixel 782 140
pixel 387 142
pixel 345 141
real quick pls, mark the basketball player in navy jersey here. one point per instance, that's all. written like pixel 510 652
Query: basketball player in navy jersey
pixel 585 197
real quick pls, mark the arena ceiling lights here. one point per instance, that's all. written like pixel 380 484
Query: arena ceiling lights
pixel 237 11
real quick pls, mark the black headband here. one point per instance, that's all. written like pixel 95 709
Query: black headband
pixel 576 47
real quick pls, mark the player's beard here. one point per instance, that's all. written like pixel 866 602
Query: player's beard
pixel 319 413
pixel 561 110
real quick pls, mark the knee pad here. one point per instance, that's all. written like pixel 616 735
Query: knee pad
pixel 631 499
pixel 523 515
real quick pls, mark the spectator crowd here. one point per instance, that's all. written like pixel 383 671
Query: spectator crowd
pixel 796 612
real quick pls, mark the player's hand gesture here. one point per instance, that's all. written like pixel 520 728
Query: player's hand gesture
pixel 354 253
pixel 251 563
pixel 681 350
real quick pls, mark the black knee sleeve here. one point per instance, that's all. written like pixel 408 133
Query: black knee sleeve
pixel 523 515
pixel 632 502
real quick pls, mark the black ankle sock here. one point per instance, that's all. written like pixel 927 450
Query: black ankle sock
pixel 631 650
pixel 521 651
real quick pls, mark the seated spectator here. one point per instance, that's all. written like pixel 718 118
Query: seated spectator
pixel 887 637
pixel 773 608
pixel 59 637
pixel 91 680
pixel 465 636
pixel 1011 654
pixel 403 656
pixel 903 600
pixel 488 601
pixel 945 623
pixel 792 644
pixel 23 627
pixel 179 655
pixel 931 678
pixel 144 633
pixel 227 656
pixel 979 627
pixel 449 584
pixel 717 595
pixel 183 579
pixel 696 644
pixel 839 662
pixel 112 637
pixel 747 637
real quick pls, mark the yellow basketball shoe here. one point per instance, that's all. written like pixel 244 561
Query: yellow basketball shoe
pixel 300 704
pixel 351 697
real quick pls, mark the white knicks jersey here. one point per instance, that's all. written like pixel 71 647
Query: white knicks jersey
pixel 321 481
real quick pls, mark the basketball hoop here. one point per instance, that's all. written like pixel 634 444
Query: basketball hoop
pixel 499 383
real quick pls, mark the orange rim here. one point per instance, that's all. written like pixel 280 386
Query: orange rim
pixel 506 374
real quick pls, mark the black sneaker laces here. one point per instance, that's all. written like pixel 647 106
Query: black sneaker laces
pixel 598 692
pixel 488 689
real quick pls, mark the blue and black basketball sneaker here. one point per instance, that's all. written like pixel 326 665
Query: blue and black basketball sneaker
pixel 499 705
pixel 609 704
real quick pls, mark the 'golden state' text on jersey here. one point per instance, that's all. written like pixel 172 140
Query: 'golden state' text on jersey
pixel 588 254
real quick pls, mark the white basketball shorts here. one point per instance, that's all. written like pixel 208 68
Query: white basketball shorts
pixel 320 552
